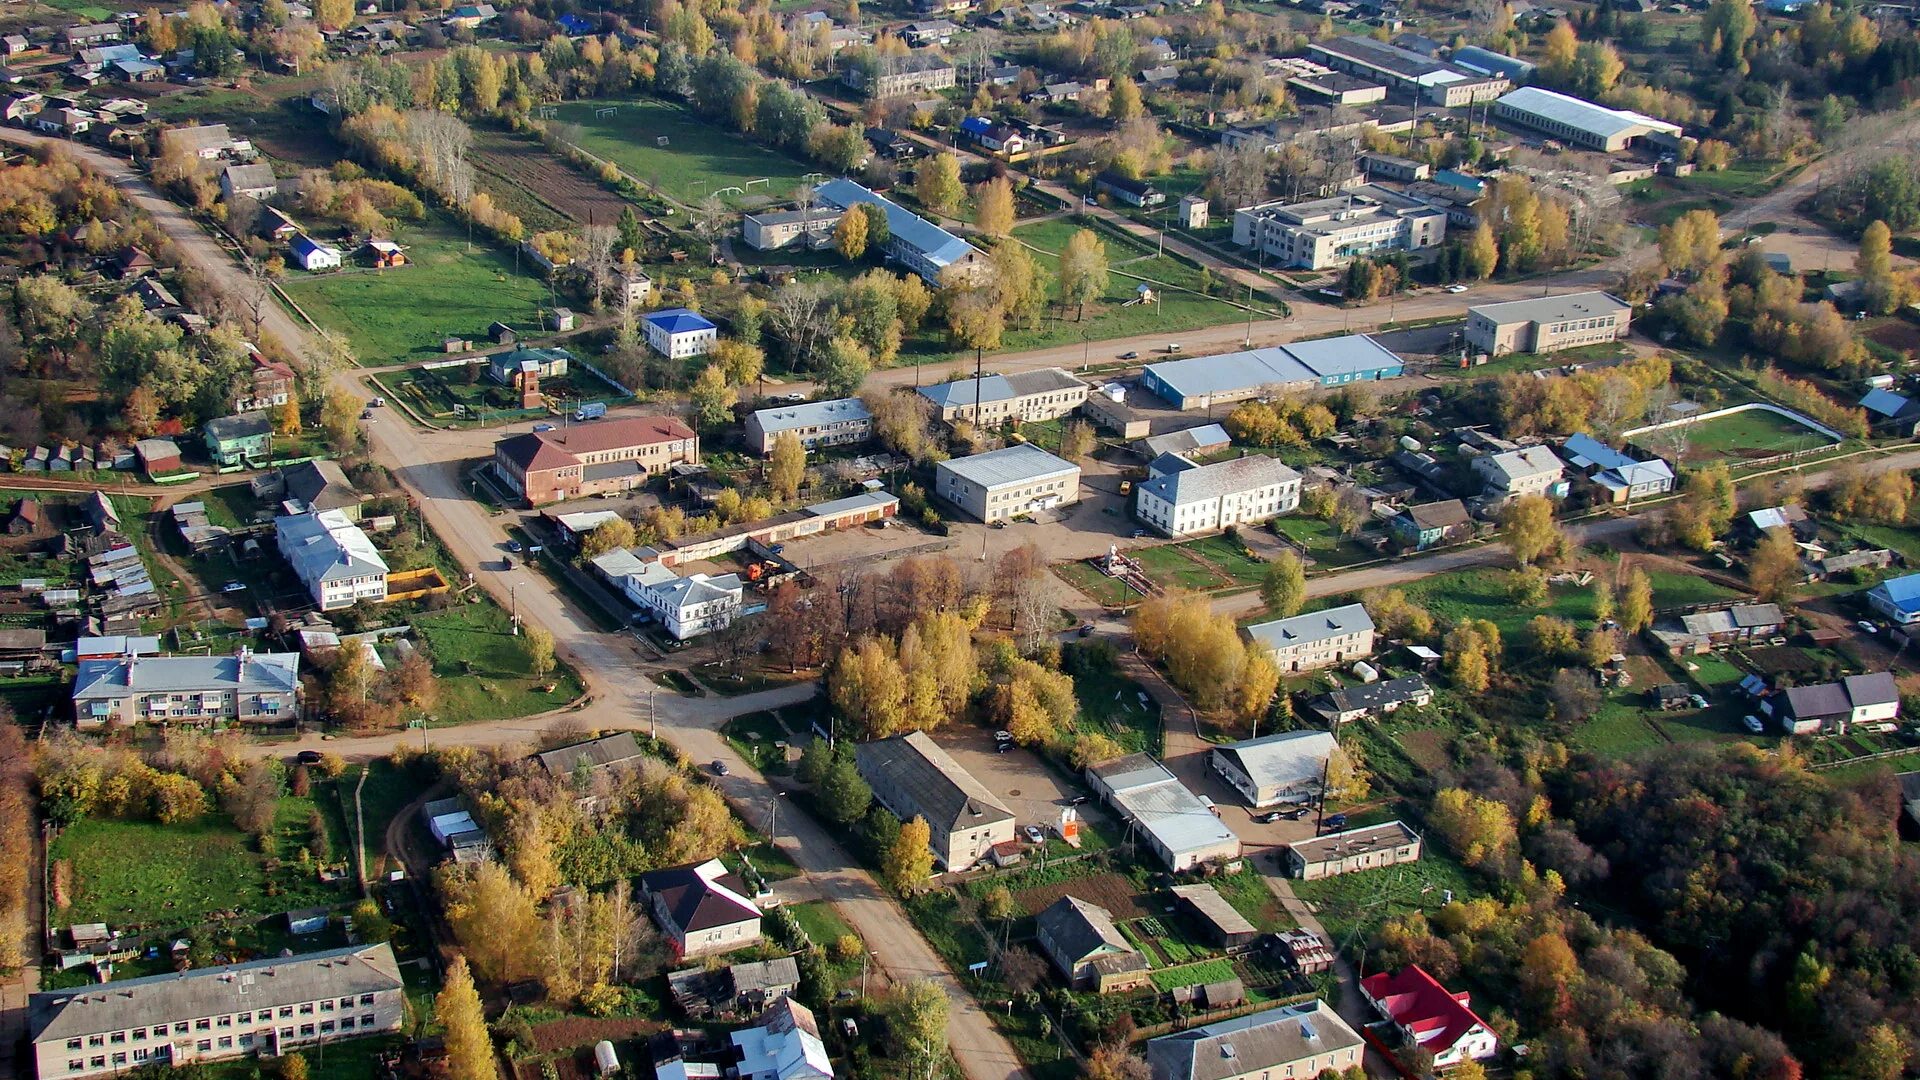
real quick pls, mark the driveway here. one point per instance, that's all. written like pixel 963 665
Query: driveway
pixel 1035 793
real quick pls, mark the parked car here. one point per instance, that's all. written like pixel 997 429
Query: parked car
pixel 1086 630
pixel 1753 723
pixel 1865 626
pixel 1003 735
pixel 719 767
pixel 1267 818
pixel 1034 834
pixel 1296 813
pixel 543 426
pixel 379 402
pixel 1001 748
pixel 307 757
pixel 848 1028
pixel 513 545
pixel 1697 701
pixel 1336 821
pixel 1130 354
pixel 1456 289
pixel 234 586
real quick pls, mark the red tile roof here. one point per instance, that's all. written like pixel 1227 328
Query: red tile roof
pixel 552 449
pixel 1418 1003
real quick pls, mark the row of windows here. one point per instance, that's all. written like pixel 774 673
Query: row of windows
pixel 207 1023
pixel 225 1042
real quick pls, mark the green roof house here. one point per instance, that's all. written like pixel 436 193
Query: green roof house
pixel 239 440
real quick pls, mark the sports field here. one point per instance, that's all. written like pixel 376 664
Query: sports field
pixel 1755 433
pixel 698 158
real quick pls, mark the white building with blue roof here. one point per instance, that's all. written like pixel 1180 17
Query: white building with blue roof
pixel 912 241
pixel 680 332
pixel 1616 477
pixel 1202 382
pixel 311 254
pixel 1897 598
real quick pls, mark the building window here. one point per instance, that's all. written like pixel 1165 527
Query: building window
pixel 120 1059
pixel 76 1066
pixel 203 1024
pixel 96 1040
pixel 117 1037
pixel 204 1045
pixel 306 1031
pixel 73 1044
pixel 366 1021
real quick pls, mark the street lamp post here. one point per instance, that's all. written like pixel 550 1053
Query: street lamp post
pixel 513 599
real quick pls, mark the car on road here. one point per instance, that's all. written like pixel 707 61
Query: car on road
pixel 1034 834
pixel 1001 748
pixel 1077 800
pixel 1267 818
pixel 1130 354
pixel 506 562
pixel 307 757
pixel 1003 736
pixel 1296 813
pixel 1335 821
pixel 848 1028
pixel 719 767
pixel 1753 723
pixel 543 426
pixel 379 402
pixel 1864 626
pixel 1086 630
pixel 366 414
pixel 1456 289
pixel 513 545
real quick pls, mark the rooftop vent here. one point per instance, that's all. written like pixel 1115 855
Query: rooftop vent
pixel 1307 1030
pixel 1226 1050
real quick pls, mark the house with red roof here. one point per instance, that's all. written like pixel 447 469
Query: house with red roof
pixel 607 456
pixel 1440 1021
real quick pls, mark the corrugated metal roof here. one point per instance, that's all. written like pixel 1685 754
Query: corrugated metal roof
pixel 1313 626
pixel 934 243
pixel 1015 464
pixel 1580 114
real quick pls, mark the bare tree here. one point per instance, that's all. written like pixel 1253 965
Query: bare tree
pixel 801 315
pixel 442 141
pixel 596 259
pixel 1240 174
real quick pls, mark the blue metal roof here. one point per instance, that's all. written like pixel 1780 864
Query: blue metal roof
pixel 1488 62
pixel 1902 592
pixel 1459 180
pixel 976 125
pixel 962 392
pixel 1883 402
pixel 935 244
pixel 574 24
pixel 679 320
pixel 302 244
pixel 1585 449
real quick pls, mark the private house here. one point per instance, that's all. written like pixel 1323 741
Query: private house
pixel 1206 498
pixel 1175 824
pixel 189 519
pixel 1894 413
pixel 332 557
pixel 1004 483
pixel 269 385
pixel 1351 850
pixel 734 989
pixel 685 607
pixel 679 333
pixel 1548 323
pixel 313 255
pixel 586 459
pixel 1427 525
pixel 1897 598
pixel 702 909
pixel 1836 708
pixel 840 422
pixel 1087 948
pixel 784 1044
pixel 1351 703
pixel 1224 924
pixel 470 16
pixel 1318 639
pixel 1202 382
pixel 1426 1013
pixel 1530 470
pixel 1615 477
pixel 319 486
pixel 1128 190
pixel 991 135
pixel 1023 396
pixel 1300 1041
pixel 1329 232
pixel 239 440
pixel 1756 524
pixel 913 777
pixel 269 1007
pixel 594 755
pixel 88 35
pixel 515 366
pixel 1703 631
pixel 1288 767
pixel 810 226
pixel 248 182
pixel 912 241
pixel 203 690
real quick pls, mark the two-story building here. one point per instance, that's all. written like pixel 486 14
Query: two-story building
pixel 1530 470
pixel 234 441
pixel 1195 499
pixel 839 422
pixel 1298 1041
pixel 1317 639
pixel 913 777
pixel 679 332
pixel 332 557
pixel 1548 323
pixel 685 606
pixel 1004 483
pixel 590 458
pixel 1287 767
pixel 1021 397
pixel 245 686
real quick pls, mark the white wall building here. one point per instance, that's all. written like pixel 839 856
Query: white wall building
pixel 686 606
pixel 1317 639
pixel 332 557
pixel 1321 233
pixel 1017 479
pixel 679 333
pixel 1203 498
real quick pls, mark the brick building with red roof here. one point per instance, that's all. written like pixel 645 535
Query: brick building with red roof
pixel 1428 1013
pixel 592 458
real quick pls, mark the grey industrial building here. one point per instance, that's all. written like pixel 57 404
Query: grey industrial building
pixel 1017 479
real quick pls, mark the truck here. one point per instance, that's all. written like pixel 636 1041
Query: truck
pixel 592 410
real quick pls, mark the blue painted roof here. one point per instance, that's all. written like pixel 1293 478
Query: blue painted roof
pixel 1902 592
pixel 1883 402
pixel 1460 180
pixel 1584 448
pixel 679 320
pixel 302 244
pixel 1486 61
pixel 574 24
pixel 976 125
pixel 936 244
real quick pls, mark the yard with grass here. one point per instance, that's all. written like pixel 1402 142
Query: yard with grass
pixel 1229 556
pixel 1353 906
pixel 1218 969
pixel 447 290
pixel 1756 433
pixel 1482 594
pixel 1619 727
pixel 1110 702
pixel 683 156
pixel 1324 545
pixel 1674 588
pixel 753 737
pixel 470 393
pixel 1171 568
pixel 485 670
pixel 1108 591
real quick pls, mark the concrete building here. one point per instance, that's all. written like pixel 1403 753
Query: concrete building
pixel 912 241
pixel 1320 234
pixel 1352 850
pixel 268 1007
pixel 1202 382
pixel 1390 167
pixel 1481 61
pixel 1337 87
pixel 1318 639
pixel 589 458
pixel 1582 123
pixel 810 227
pixel 1288 767
pixel 1530 470
pixel 1173 822
pixel 896 76
pixel 245 686
pixel 840 422
pixel 1192 212
pixel 1299 1041
pixel 1017 479
pixel 332 557
pixel 1548 323
pixel 1407 72
pixel 1350 703
pixel 679 333
pixel 911 776
pixel 1024 396
pixel 702 909
pixel 1206 498
pixel 1088 949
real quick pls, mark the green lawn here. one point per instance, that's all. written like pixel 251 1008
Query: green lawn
pixel 1711 671
pixel 1361 902
pixel 1618 728
pixel 1324 544
pixel 1755 433
pixel 753 737
pixel 1219 969
pixel 699 157
pixel 402 314
pixel 1229 556
pixel 821 922
pixel 1482 594
pixel 1111 702
pixel 471 393
pixel 1083 576
pixel 1248 893
pixel 484 668
pixel 354 1059
pixel 1170 567
pixel 1672 588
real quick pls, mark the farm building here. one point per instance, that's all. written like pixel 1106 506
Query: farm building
pixel 1583 123
pixel 1344 852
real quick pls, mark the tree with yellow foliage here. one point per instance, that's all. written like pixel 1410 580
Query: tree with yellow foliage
pixel 457 1007
pixel 908 861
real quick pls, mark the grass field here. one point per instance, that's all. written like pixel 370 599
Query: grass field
pixel 1229 557
pixel 1482 594
pixel 1617 728
pixel 1170 567
pixel 1105 590
pixel 443 395
pixel 1218 969
pixel 1111 702
pixel 1362 901
pixel 403 314
pixel 1756 433
pixel 1672 588
pixel 1324 544
pixel 700 157
pixel 483 667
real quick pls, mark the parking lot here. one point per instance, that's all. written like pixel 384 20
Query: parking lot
pixel 1033 791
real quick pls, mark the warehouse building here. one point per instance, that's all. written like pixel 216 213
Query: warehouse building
pixel 1322 233
pixel 1179 828
pixel 1583 123
pixel 1487 62
pixel 1288 767
pixel 999 484
pixel 1548 323
pixel 914 778
pixel 1407 72
pixel 1205 381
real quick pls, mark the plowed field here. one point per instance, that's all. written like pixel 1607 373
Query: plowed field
pixel 543 191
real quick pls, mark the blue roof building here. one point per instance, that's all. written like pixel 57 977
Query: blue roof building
pixel 913 241
pixel 1487 62
pixel 679 332
pixel 1203 381
pixel 574 25
pixel 1897 598
pixel 1473 185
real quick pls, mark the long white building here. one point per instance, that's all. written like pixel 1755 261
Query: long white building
pixel 332 557
pixel 1321 233
pixel 1193 499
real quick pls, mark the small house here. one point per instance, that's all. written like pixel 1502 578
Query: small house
pixel 1428 525
pixel 1128 190
pixel 386 253
pixel 238 440
pixel 1083 942
pixel 313 255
